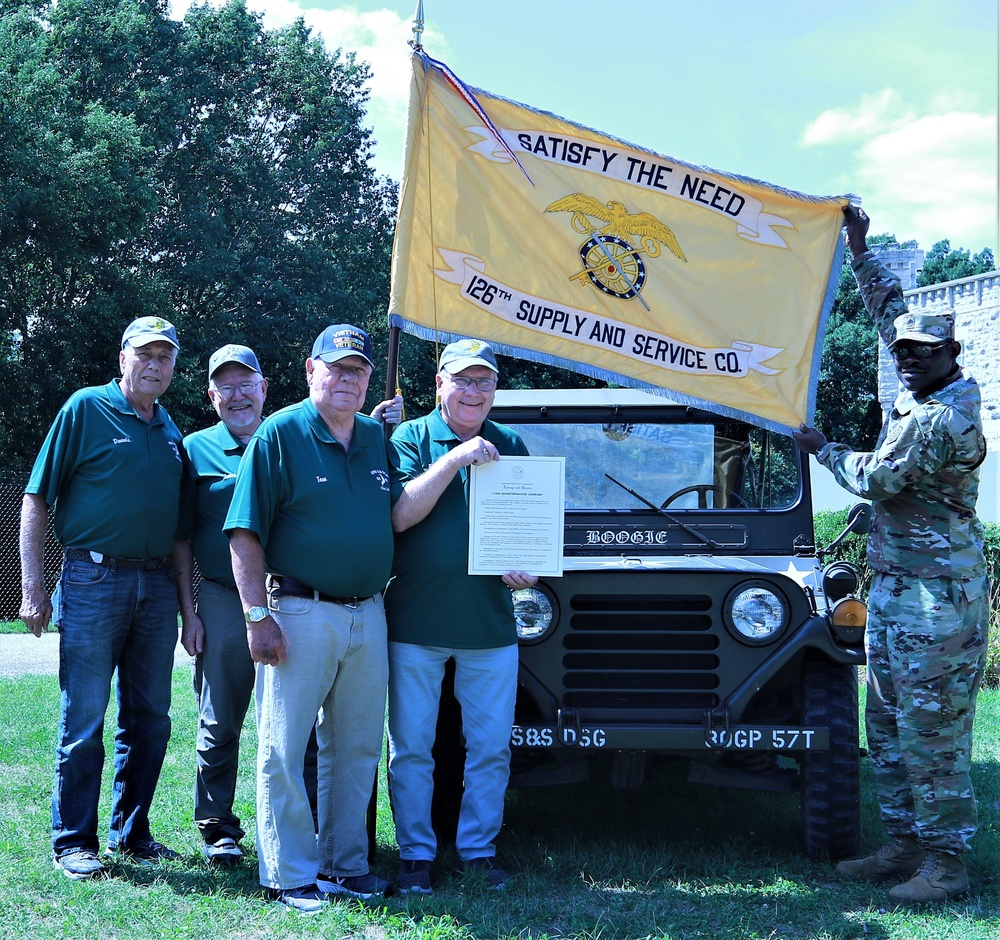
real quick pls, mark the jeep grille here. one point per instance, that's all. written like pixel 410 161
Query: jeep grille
pixel 641 651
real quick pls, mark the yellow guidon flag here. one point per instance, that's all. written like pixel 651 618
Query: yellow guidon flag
pixel 562 245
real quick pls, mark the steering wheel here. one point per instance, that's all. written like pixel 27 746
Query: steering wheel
pixel 702 489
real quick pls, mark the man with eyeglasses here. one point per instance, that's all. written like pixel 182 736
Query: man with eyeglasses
pixel 215 632
pixel 111 466
pixel 929 599
pixel 436 612
pixel 311 545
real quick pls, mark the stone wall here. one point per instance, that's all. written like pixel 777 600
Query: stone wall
pixel 975 302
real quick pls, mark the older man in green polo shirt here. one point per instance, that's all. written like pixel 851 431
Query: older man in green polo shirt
pixel 311 508
pixel 430 458
pixel 111 466
pixel 215 633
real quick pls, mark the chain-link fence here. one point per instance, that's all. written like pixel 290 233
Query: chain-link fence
pixel 11 493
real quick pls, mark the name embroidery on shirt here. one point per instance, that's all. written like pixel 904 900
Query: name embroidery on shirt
pixel 321 479
pixel 121 440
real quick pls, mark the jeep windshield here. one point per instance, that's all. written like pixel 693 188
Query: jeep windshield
pixel 669 456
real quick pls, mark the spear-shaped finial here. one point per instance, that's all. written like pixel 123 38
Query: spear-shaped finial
pixel 418 26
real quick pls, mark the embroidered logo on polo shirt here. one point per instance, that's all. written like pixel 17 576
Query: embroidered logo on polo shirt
pixel 121 440
pixel 173 447
pixel 383 479
pixel 321 479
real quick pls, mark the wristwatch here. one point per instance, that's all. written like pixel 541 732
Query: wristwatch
pixel 256 614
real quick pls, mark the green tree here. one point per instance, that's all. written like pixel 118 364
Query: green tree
pixel 209 171
pixel 944 263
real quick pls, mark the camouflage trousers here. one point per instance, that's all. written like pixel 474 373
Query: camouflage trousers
pixel 926 642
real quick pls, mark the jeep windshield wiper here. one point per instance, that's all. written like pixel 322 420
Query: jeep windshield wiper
pixel 711 543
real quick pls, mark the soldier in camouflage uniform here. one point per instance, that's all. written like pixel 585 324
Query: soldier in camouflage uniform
pixel 929 601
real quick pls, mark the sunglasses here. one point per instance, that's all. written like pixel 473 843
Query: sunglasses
pixel 920 352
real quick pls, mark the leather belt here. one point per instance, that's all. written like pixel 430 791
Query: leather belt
pixel 283 586
pixel 144 564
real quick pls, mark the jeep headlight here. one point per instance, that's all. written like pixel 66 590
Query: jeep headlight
pixel 533 614
pixel 756 612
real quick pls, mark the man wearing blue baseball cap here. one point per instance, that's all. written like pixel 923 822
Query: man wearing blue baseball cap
pixel 111 467
pixel 311 544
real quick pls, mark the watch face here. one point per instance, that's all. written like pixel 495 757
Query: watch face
pixel 256 614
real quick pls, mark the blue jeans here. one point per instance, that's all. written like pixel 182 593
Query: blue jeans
pixel 111 618
pixel 485 686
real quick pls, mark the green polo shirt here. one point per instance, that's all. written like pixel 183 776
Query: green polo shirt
pixel 322 514
pixel 209 480
pixel 113 478
pixel 432 599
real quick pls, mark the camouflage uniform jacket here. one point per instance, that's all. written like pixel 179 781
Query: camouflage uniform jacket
pixel 923 475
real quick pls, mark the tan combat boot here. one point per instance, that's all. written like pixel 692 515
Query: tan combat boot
pixel 900 858
pixel 942 877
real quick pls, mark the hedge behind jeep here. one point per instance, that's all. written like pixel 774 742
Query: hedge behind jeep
pixel 694 618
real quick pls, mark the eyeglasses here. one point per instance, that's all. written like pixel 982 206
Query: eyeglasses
pixel 486 384
pixel 247 388
pixel 356 373
pixel 920 352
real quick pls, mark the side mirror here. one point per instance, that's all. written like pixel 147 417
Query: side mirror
pixel 859 520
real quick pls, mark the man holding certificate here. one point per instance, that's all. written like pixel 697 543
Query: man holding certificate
pixel 437 611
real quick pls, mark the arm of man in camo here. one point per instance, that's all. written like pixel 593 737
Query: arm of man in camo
pixel 914 449
pixel 880 289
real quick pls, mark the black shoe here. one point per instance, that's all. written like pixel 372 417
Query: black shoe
pixel 354 886
pixel 488 867
pixel 414 876
pixel 146 852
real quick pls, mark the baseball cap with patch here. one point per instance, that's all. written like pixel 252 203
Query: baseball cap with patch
pixel 924 328
pixel 342 340
pixel 467 352
pixel 233 353
pixel 146 330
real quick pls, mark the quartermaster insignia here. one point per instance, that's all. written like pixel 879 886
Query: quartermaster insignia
pixel 611 261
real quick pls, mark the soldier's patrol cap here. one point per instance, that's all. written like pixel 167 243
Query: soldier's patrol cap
pixel 233 353
pixel 342 340
pixel 467 352
pixel 924 328
pixel 147 330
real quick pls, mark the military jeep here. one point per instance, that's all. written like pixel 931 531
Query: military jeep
pixel 695 618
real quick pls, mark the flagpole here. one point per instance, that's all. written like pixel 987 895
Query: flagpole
pixel 418 26
pixel 392 358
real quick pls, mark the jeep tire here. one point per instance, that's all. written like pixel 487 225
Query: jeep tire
pixel 829 781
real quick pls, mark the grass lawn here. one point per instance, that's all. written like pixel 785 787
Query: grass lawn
pixel 671 861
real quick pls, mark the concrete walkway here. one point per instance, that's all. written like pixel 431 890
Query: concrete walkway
pixel 22 654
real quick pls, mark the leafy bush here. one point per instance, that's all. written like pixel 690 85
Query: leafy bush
pixel 830 523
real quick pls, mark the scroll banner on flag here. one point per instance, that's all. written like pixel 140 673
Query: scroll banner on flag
pixel 560 244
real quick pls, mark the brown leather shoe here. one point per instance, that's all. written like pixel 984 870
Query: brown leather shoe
pixel 942 877
pixel 900 858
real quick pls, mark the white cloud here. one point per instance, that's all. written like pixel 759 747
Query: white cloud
pixel 378 37
pixel 873 114
pixel 925 176
pixel 937 175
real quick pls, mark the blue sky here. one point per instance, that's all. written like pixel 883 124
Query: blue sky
pixel 895 101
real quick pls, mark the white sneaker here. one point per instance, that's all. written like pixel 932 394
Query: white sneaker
pixel 224 851
pixel 305 900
